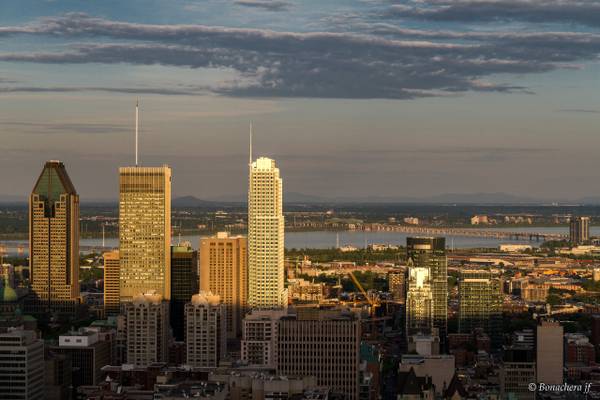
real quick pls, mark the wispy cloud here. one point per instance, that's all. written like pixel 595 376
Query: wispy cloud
pixel 585 12
pixel 269 5
pixel 65 127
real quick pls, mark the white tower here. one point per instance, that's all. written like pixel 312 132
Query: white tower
pixel 265 236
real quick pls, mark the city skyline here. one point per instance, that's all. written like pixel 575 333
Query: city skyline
pixel 507 98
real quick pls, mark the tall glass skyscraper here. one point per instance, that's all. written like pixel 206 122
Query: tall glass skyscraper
pixel 145 231
pixel 430 253
pixel 265 236
pixel 54 239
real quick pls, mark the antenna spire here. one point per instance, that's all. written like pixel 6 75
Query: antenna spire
pixel 137 101
pixel 250 144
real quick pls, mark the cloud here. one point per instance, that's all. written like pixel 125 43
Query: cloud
pixel 384 61
pixel 269 5
pixel 65 127
pixel 579 110
pixel 584 12
pixel 132 90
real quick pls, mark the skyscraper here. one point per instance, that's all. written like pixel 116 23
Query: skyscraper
pixel 54 239
pixel 146 329
pixel 430 253
pixel 111 283
pixel 184 284
pixel 550 352
pixel 265 236
pixel 419 301
pixel 579 230
pixel 145 231
pixel 480 303
pixel 224 272
pixel 205 337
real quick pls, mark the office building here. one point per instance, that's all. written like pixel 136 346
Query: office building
pixel 325 345
pixel 58 383
pixel 145 231
pixel 184 284
pixel 22 367
pixel 146 329
pixel 88 354
pixel 111 283
pixel 54 240
pixel 308 341
pixel 517 372
pixel 265 236
pixel 579 230
pixel 419 301
pixel 550 352
pixel 430 253
pixel 397 284
pixel 224 272
pixel 480 303
pixel 205 334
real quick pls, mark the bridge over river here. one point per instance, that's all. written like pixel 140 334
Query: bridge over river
pixel 465 232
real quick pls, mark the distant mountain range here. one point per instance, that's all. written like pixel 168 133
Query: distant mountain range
pixel 498 198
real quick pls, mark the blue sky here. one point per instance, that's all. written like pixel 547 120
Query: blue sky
pixel 355 98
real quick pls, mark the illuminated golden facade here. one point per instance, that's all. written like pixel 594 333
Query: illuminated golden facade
pixel 223 271
pixel 145 231
pixel 111 283
pixel 265 236
pixel 54 237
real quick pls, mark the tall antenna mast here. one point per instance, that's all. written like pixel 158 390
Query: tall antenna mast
pixel 250 145
pixel 136 130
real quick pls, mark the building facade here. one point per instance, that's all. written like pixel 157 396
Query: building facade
pixel 265 236
pixel 419 301
pixel 145 231
pixel 326 346
pixel 184 284
pixel 480 303
pixel 397 284
pixel 112 283
pixel 54 240
pixel 205 334
pixel 23 349
pixel 430 253
pixel 550 352
pixel 224 272
pixel 146 329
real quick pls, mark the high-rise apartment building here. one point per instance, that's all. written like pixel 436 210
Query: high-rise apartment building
pixel 579 230
pixel 430 253
pixel 224 272
pixel 517 372
pixel 265 236
pixel 184 284
pixel 21 366
pixel 550 352
pixel 112 283
pixel 54 240
pixel 145 231
pixel 419 301
pixel 259 337
pixel 146 329
pixel 480 303
pixel 205 335
pixel 397 284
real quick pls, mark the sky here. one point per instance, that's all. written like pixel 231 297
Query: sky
pixel 352 98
